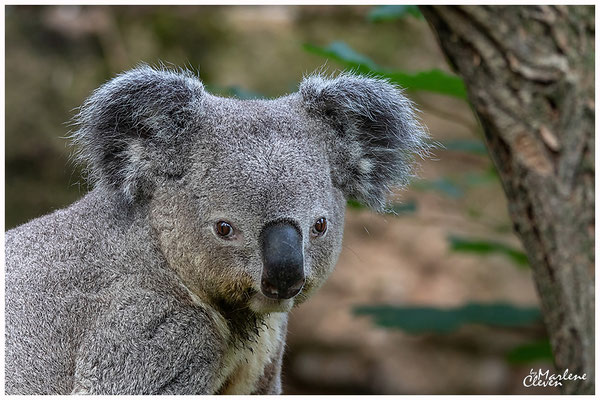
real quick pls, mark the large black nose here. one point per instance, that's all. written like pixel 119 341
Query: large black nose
pixel 283 263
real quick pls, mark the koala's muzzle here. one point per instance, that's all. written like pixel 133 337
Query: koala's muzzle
pixel 283 262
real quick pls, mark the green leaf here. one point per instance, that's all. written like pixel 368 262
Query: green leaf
pixel 443 185
pixel 407 207
pixel 243 94
pixel 433 80
pixel 437 320
pixel 339 51
pixel 480 178
pixel 354 204
pixel 342 52
pixel 234 91
pixel 482 246
pixel 393 12
pixel 489 175
pixel 472 146
pixel 529 352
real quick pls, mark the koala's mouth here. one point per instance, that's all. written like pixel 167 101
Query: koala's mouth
pixel 261 304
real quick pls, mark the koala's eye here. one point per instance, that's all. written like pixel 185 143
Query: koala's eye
pixel 224 229
pixel 319 227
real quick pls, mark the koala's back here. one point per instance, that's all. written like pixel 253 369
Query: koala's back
pixel 45 305
pixel 82 285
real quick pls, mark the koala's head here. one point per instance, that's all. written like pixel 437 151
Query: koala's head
pixel 247 198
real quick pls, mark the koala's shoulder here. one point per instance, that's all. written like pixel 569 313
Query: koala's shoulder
pixel 67 243
pixel 150 340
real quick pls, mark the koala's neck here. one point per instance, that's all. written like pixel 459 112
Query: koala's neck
pixel 253 346
pixel 244 325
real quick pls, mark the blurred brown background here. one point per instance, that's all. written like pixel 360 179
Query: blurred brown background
pixel 55 56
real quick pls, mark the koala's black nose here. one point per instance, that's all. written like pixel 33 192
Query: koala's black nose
pixel 283 262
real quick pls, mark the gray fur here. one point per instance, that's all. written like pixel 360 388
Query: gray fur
pixel 377 133
pixel 130 290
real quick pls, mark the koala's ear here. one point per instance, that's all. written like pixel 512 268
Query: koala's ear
pixel 374 134
pixel 132 129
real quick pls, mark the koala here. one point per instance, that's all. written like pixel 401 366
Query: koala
pixel 210 218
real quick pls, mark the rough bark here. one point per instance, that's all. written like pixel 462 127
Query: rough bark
pixel 529 72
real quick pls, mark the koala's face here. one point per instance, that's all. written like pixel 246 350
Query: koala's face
pixel 264 203
pixel 247 198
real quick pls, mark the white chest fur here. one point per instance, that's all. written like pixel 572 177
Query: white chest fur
pixel 244 365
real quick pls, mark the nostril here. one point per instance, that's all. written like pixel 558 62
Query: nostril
pixel 293 290
pixel 281 293
pixel 269 290
pixel 296 288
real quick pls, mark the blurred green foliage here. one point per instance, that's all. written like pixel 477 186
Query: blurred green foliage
pixel 473 146
pixel 438 320
pixel 456 186
pixel 432 80
pixel 529 352
pixel 443 184
pixel 234 91
pixel 393 12
pixel 406 207
pixel 430 319
pixel 484 247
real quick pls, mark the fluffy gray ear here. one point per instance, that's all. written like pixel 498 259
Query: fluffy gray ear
pixel 132 129
pixel 375 134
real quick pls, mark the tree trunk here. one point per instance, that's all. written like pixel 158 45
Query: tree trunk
pixel 529 73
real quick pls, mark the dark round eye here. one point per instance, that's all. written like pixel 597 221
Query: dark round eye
pixel 224 229
pixel 320 226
